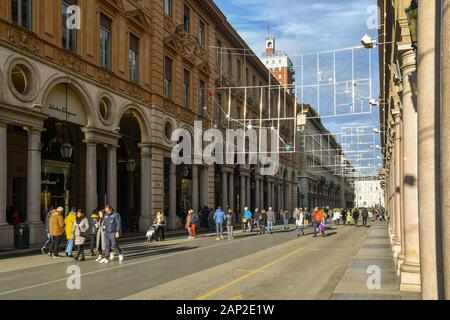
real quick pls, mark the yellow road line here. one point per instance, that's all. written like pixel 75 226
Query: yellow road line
pixel 245 276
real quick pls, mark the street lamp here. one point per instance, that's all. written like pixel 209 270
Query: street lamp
pixel 66 150
pixel 411 14
pixel 131 166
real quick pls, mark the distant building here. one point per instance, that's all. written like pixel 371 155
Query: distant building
pixel 278 62
pixel 369 194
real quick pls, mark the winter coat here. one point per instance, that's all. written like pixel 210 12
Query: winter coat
pixel 230 219
pixel 69 221
pixel 194 219
pixel 270 216
pixel 56 224
pixel 78 228
pixel 219 216
pixel 94 223
pixel 100 235
pixel 285 214
pixel 262 221
pixel 299 221
pixel 160 219
pixel 113 223
pixel 247 215
pixel 188 221
pixel 47 221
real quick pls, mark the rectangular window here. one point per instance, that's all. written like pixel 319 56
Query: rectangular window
pixel 69 36
pixel 168 8
pixel 167 78
pixel 186 88
pixel 134 58
pixel 201 97
pixel 105 42
pixel 186 19
pixel 21 12
pixel 202 34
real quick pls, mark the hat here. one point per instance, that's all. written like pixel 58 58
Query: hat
pixel 60 209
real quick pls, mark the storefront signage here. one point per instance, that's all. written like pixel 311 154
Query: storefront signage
pixel 66 107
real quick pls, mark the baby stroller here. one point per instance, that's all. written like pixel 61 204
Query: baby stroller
pixel 152 232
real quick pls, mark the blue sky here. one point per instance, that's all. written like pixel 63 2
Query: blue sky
pixel 305 26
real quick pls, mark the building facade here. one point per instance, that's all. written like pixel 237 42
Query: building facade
pixel 87 112
pixel 368 193
pixel 415 79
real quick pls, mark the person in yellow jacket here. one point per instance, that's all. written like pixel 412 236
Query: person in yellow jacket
pixel 69 221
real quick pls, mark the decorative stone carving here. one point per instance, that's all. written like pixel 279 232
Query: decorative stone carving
pixel 23 39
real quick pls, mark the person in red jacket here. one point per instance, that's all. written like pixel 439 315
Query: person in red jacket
pixel 15 220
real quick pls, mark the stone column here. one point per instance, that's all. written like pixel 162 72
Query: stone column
pixel 257 193
pixel 242 194
pixel 401 254
pixel 145 219
pixel 410 269
pixel 247 192
pixel 426 113
pixel 195 204
pixel 6 231
pixel 111 188
pixel 231 190
pixel 91 176
pixel 173 218
pixel 204 186
pixel 445 146
pixel 261 190
pixel 269 195
pixel 224 189
pixel 37 229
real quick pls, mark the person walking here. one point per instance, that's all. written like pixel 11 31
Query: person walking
pixel 356 216
pixel 365 216
pixel 161 223
pixel 113 227
pixel 270 220
pixel 79 233
pixel 47 230
pixel 93 223
pixel 219 218
pixel 230 223
pixel 69 221
pixel 262 222
pixel 187 225
pixel 56 228
pixel 246 219
pixel 256 219
pixel 318 217
pixel 299 222
pixel 100 243
pixel 193 223
pixel 286 217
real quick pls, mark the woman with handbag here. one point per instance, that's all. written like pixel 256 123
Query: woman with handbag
pixel 80 232
pixel 100 243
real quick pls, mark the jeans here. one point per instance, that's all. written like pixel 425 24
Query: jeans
pixel 270 226
pixel 230 232
pixel 364 221
pixel 55 245
pixel 69 247
pixel 111 242
pixel 286 224
pixel 219 229
pixel 80 251
pixel 46 243
pixel 93 240
pixel 315 227
pixel 300 230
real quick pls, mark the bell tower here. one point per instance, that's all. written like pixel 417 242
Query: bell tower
pixel 270 45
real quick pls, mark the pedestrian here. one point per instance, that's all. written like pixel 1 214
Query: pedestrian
pixel 93 223
pixel 69 221
pixel 193 222
pixel 299 222
pixel 270 220
pixel 79 232
pixel 365 216
pixel 219 218
pixel 113 227
pixel 56 228
pixel 343 216
pixel 161 223
pixel 262 222
pixel 256 219
pixel 230 218
pixel 318 217
pixel 100 243
pixel 47 230
pixel 247 220
pixel 336 216
pixel 285 214
pixel 356 216
pixel 187 225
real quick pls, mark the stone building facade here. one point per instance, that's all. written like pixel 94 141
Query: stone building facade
pixel 86 115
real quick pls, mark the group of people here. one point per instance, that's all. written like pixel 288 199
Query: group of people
pixel 102 228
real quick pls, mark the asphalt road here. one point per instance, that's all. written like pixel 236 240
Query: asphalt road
pixel 276 266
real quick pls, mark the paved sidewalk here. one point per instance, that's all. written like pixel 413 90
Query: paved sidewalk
pixel 375 251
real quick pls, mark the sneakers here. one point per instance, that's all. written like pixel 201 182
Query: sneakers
pixel 56 256
pixel 111 256
pixel 218 238
pixel 98 258
pixel 104 260
pixel 42 250
pixel 120 257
